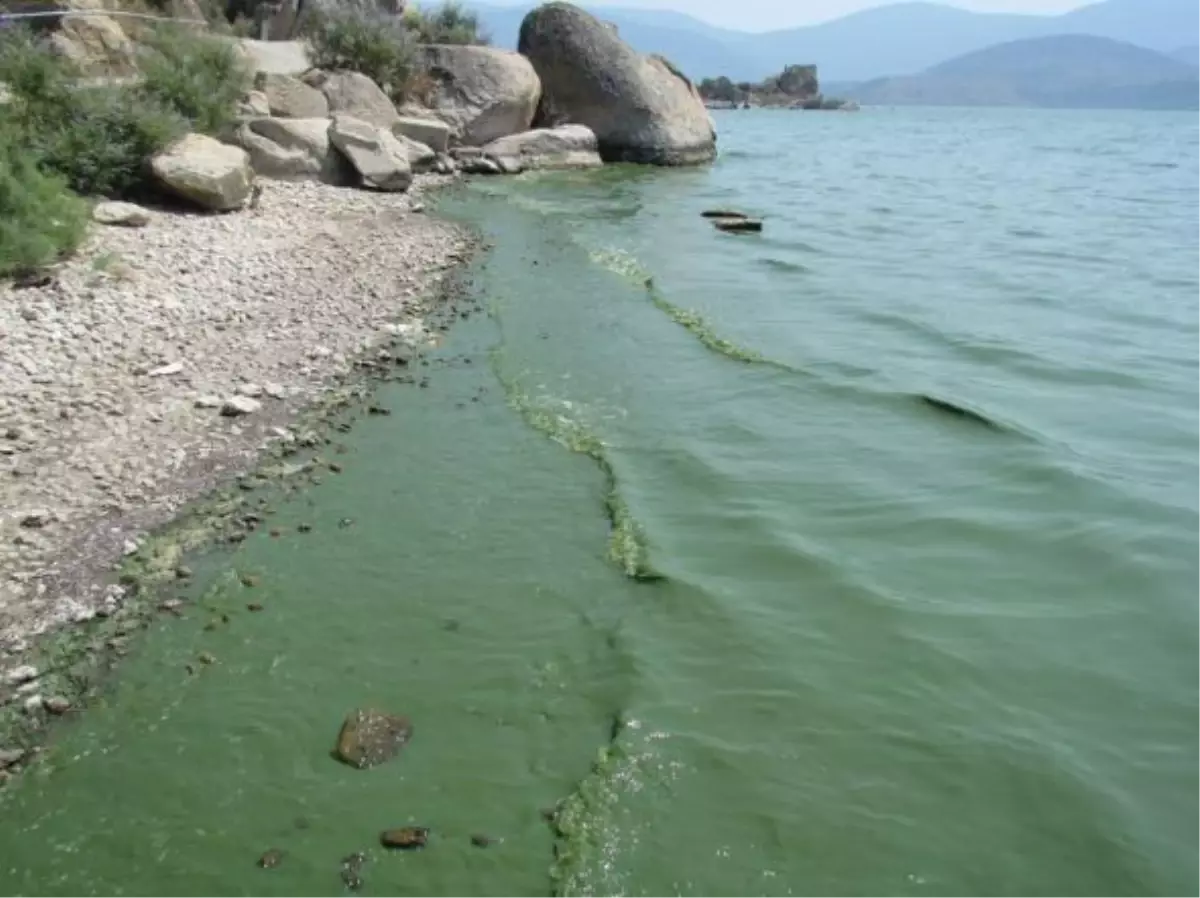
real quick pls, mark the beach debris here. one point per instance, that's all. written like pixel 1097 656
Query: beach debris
pixel 405 838
pixel 369 737
pixel 271 858
pixel 165 370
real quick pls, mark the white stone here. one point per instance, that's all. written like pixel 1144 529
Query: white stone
pixel 128 215
pixel 251 390
pixel 166 370
pixel 239 405
pixel 208 402
pixel 275 391
pixel 22 674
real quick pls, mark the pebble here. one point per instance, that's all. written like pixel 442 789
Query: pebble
pixel 33 704
pixel 10 756
pixel 251 390
pixel 57 704
pixel 239 405
pixel 23 674
pixel 274 391
pixel 207 402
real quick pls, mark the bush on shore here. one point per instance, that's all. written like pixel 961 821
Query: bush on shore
pixel 40 219
pixel 59 136
pixel 380 47
pixel 448 23
pixel 384 47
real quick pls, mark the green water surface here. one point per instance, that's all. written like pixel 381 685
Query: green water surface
pixel 884 649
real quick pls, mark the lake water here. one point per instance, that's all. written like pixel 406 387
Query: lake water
pixel 672 544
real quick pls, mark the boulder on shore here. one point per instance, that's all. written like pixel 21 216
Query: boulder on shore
pixel 567 146
pixel 289 97
pixel 432 132
pixel 205 172
pixel 380 159
pixel 293 149
pixel 641 108
pixel 481 93
pixel 356 95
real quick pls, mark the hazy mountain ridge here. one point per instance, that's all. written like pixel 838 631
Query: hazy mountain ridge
pixel 899 39
pixel 1062 71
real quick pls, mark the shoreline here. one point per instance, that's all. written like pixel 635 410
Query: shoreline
pixel 113 378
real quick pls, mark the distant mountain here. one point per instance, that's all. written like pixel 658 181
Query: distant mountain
pixel 1063 71
pixel 1190 55
pixel 899 39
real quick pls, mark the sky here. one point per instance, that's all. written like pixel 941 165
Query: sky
pixel 762 15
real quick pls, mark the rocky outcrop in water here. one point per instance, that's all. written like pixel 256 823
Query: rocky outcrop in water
pixel 564 147
pixel 641 108
pixel 369 737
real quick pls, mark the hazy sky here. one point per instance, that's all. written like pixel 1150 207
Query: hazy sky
pixel 759 15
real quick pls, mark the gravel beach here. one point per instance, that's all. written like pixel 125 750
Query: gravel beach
pixel 161 360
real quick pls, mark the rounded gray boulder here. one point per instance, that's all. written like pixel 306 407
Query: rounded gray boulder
pixel 641 108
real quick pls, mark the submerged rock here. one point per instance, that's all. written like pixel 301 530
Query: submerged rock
pixel 369 737
pixel 405 838
pixel 272 857
pixel 738 225
pixel 352 865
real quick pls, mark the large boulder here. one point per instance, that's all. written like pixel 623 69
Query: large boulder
pixel 289 97
pixel 356 95
pixel 278 57
pixel 482 93
pixel 292 149
pixel 641 108
pixel 206 172
pixel 567 146
pixel 380 159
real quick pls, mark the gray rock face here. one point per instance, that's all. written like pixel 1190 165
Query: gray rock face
pixel 205 172
pixel 434 133
pixel 641 108
pixel 380 159
pixel 420 157
pixel 294 149
pixel 567 146
pixel 482 93
pixel 289 97
pixel 357 95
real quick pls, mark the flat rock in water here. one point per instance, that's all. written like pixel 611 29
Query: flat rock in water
pixel 369 737
pixel 722 213
pixel 406 837
pixel 271 858
pixel 738 225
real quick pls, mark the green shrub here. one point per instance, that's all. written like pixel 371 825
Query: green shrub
pixel 379 47
pixel 100 139
pixel 448 23
pixel 199 77
pixel 40 219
